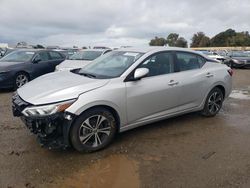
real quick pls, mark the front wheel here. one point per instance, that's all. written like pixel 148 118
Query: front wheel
pixel 93 130
pixel 20 80
pixel 213 103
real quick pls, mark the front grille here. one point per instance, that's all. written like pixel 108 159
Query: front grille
pixel 18 105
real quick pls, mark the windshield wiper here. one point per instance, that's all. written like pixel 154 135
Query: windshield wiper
pixel 87 75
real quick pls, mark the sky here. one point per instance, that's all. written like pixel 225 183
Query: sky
pixel 116 23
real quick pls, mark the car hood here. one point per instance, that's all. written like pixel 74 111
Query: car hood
pixel 58 86
pixel 72 64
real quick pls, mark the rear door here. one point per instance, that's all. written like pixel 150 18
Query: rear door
pixel 155 95
pixel 55 59
pixel 194 81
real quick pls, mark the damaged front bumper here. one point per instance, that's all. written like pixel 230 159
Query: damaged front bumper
pixel 52 131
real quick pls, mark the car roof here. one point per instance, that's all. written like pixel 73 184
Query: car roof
pixel 155 49
pixel 95 50
pixel 34 50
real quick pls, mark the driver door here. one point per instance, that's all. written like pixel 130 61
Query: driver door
pixel 156 94
pixel 40 64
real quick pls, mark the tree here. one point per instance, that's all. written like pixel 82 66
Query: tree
pixel 224 38
pixel 200 40
pixel 181 42
pixel 172 39
pixel 157 41
pixel 231 38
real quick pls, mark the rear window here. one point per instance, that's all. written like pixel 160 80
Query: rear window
pixel 189 61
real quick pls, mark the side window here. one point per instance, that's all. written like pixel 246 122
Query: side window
pixel 55 55
pixel 187 61
pixel 161 63
pixel 43 56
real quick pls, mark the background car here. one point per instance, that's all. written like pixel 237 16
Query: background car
pixel 66 52
pixel 2 52
pixel 122 90
pixel 238 59
pixel 20 66
pixel 214 55
pixel 81 59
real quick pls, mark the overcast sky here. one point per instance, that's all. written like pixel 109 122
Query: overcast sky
pixel 115 23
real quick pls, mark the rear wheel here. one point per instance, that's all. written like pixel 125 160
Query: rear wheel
pixel 20 80
pixel 93 130
pixel 213 103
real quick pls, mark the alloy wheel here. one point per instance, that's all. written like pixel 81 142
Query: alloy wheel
pixel 21 79
pixel 215 102
pixel 94 130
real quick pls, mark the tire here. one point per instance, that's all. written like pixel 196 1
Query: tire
pixel 213 103
pixel 87 136
pixel 21 79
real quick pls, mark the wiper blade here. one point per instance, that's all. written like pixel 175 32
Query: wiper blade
pixel 88 75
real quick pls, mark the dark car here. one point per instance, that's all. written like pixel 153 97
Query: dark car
pixel 238 59
pixel 20 66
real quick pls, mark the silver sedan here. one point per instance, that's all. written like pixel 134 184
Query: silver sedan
pixel 119 91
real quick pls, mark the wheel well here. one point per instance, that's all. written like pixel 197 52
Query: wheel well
pixel 23 72
pixel 222 89
pixel 112 110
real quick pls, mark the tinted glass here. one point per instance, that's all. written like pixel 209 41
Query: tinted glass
pixel 238 54
pixel 161 63
pixel 18 56
pixel 55 55
pixel 43 56
pixel 187 61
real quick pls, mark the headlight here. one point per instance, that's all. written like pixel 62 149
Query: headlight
pixel 47 110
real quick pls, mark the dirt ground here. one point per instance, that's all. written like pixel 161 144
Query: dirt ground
pixel 187 151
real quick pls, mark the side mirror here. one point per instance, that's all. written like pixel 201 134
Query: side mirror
pixel 140 73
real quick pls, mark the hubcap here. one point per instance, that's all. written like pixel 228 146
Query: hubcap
pixel 94 130
pixel 215 102
pixel 21 80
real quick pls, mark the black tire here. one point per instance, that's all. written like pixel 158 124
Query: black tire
pixel 213 103
pixel 80 133
pixel 20 77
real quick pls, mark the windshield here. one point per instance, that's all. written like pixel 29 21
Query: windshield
pixel 18 56
pixel 111 65
pixel 239 54
pixel 86 55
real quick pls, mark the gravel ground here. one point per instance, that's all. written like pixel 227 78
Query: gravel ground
pixel 187 151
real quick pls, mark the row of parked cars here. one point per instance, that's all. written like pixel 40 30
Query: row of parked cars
pixel 22 65
pixel 234 59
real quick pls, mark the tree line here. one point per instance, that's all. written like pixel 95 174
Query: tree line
pixel 228 38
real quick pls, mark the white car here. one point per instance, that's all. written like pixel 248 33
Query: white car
pixel 122 90
pixel 214 55
pixel 81 59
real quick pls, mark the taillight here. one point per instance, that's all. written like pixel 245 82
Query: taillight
pixel 230 71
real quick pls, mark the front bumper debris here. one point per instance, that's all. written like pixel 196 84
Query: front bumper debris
pixel 52 131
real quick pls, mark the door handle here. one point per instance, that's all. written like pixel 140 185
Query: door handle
pixel 173 83
pixel 209 75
